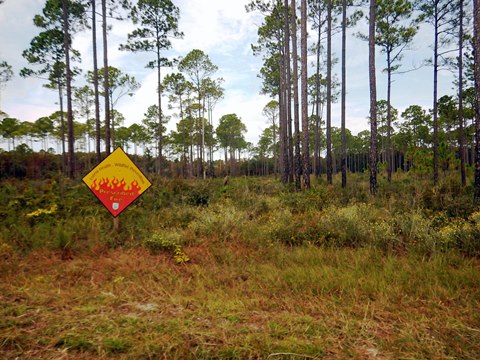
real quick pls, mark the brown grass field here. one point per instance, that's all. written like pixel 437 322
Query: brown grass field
pixel 231 302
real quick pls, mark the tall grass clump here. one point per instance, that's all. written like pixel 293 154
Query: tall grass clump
pixel 221 221
pixel 199 193
pixel 169 242
pixel 361 225
pixel 418 232
pixel 317 198
pixel 353 226
pixel 294 229
pixel 356 225
pixel 462 235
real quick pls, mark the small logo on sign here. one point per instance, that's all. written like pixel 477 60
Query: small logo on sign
pixel 115 206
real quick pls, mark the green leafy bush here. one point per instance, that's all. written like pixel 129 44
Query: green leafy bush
pixel 198 194
pixel 295 229
pixel 463 235
pixel 417 231
pixel 222 221
pixel 168 242
pixel 356 225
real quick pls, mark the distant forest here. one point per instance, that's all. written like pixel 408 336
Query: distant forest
pixel 299 141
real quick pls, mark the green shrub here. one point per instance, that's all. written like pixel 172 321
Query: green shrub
pixel 259 207
pixel 178 216
pixel 221 221
pixel 355 225
pixel 295 229
pixel 198 194
pixel 284 229
pixel 384 236
pixel 463 235
pixel 295 202
pixel 417 231
pixel 169 242
pixel 407 214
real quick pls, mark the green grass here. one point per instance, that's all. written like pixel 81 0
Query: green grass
pixel 241 303
pixel 326 274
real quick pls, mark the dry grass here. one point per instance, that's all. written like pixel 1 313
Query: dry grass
pixel 238 301
pixel 387 279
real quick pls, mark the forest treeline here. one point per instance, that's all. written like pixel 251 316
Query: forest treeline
pixel 300 139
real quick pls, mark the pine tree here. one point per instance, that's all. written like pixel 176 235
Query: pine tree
pixel 158 21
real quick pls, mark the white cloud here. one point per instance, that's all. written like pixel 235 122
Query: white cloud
pixel 213 26
pixel 248 106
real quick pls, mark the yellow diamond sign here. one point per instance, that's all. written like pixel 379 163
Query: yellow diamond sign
pixel 117 182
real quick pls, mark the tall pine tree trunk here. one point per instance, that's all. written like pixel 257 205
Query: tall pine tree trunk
pixel 288 95
pixel 159 131
pixel 106 83
pixel 476 21
pixel 317 97
pixel 95 82
pixel 435 96
pixel 388 152
pixel 62 128
pixel 344 90
pixel 463 174
pixel 304 85
pixel 275 157
pixel 373 98
pixel 329 94
pixel 296 110
pixel 71 138
pixel 284 163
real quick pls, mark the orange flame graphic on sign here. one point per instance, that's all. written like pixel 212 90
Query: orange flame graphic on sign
pixel 116 185
pixel 115 194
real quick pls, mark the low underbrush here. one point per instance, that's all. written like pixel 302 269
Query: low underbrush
pixel 405 216
pixel 200 269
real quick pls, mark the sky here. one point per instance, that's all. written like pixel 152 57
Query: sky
pixel 224 31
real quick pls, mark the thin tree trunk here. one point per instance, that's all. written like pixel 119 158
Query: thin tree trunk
pixel 62 129
pixel 199 160
pixel 296 111
pixel 476 14
pixel 71 139
pixel 275 157
pixel 317 100
pixel 211 168
pixel 159 91
pixel 373 99
pixel 106 83
pixel 227 172
pixel 435 102
pixel 95 82
pixel 288 95
pixel 284 163
pixel 389 118
pixel 112 121
pixel 344 90
pixel 190 165
pixel 204 172
pixel 304 75
pixel 463 174
pixel 329 94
